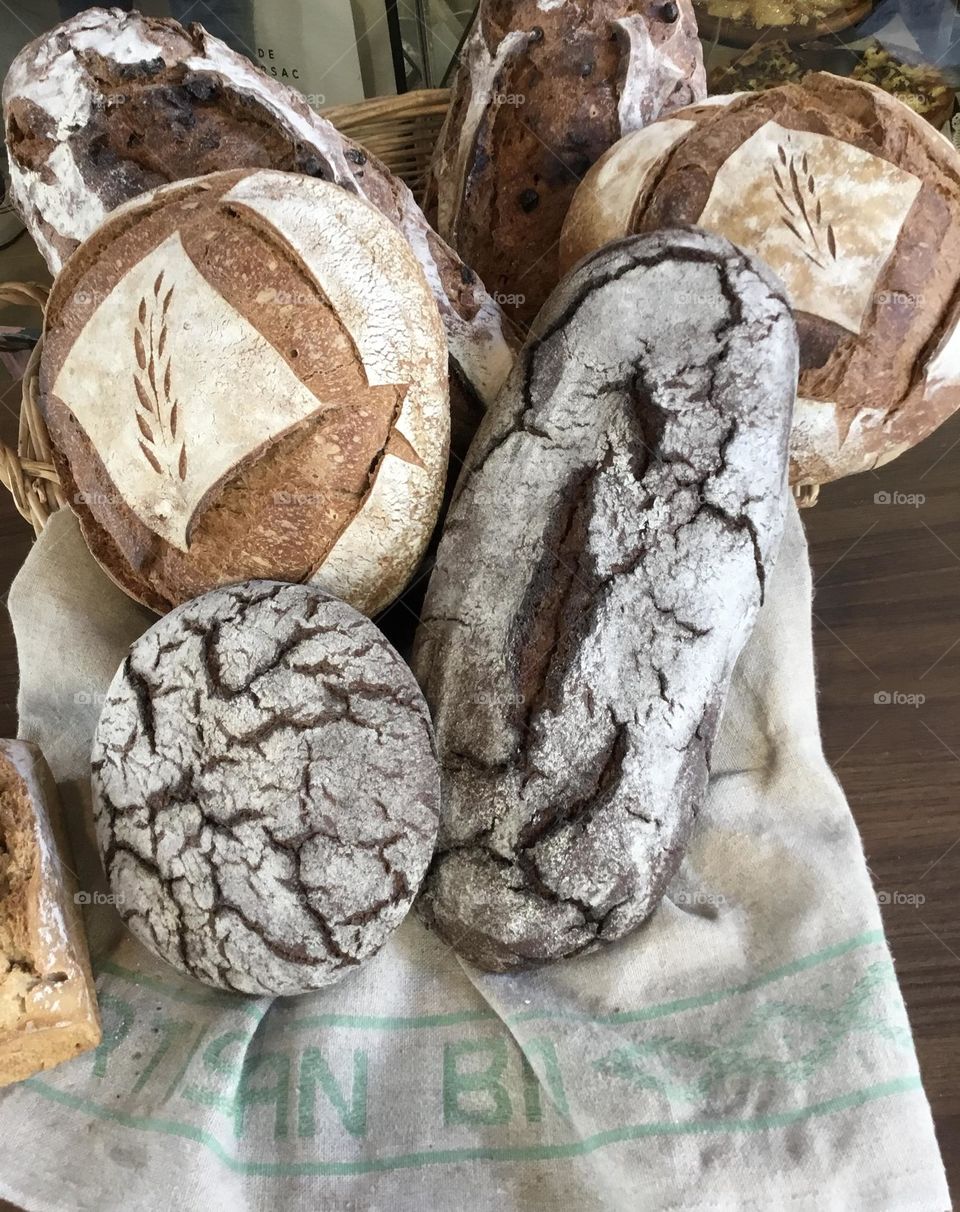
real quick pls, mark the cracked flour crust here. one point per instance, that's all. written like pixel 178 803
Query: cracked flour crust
pixel 600 570
pixel 265 788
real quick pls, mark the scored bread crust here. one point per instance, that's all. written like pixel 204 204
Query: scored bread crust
pixel 349 495
pixel 109 105
pixel 637 475
pixel 864 396
pixel 48 1003
pixel 542 90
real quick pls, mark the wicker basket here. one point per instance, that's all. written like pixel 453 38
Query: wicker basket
pixel 401 131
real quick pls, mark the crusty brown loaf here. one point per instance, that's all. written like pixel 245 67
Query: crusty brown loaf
pixel 872 383
pixel 111 104
pixel 265 788
pixel 48 1005
pixel 294 291
pixel 635 474
pixel 542 91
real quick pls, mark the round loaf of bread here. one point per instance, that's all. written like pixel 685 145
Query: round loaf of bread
pixel 265 787
pixel 854 201
pixel 245 375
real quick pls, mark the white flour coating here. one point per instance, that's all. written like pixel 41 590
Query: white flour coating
pixel 57 200
pixel 265 788
pixel 199 326
pixel 821 448
pixel 599 572
pixel 484 68
pixel 823 213
pixel 655 70
pixel 943 369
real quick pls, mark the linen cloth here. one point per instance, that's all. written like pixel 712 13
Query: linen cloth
pixel 747 1049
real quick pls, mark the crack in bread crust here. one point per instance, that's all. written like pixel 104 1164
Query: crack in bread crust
pixel 265 788
pixel 636 473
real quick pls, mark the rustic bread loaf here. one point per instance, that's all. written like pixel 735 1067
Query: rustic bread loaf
pixel 48 1005
pixel 265 787
pixel 110 104
pixel 542 90
pixel 635 474
pixel 854 201
pixel 245 376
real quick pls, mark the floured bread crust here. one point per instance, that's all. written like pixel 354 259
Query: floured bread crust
pixel 544 88
pixel 48 1004
pixel 636 474
pixel 265 788
pixel 110 104
pixel 245 375
pixel 854 200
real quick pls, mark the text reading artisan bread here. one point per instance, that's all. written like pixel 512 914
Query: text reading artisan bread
pixel 599 573
pixel 245 376
pixel 110 104
pixel 265 788
pixel 543 89
pixel 854 201
pixel 48 1006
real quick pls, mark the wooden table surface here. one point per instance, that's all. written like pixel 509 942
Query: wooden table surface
pixel 885 549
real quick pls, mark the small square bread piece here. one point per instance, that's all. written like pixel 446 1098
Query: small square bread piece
pixel 48 1005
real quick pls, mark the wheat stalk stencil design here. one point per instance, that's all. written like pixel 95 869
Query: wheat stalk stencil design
pixel 158 416
pixel 797 193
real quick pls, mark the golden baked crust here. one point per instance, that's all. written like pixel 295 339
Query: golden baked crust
pixel 48 1006
pixel 244 376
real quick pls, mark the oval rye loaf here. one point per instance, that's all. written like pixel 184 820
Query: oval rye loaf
pixel 600 570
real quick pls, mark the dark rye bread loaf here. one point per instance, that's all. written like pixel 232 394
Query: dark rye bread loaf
pixel 600 570
pixel 854 201
pixel 244 375
pixel 544 88
pixel 110 104
pixel 265 788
